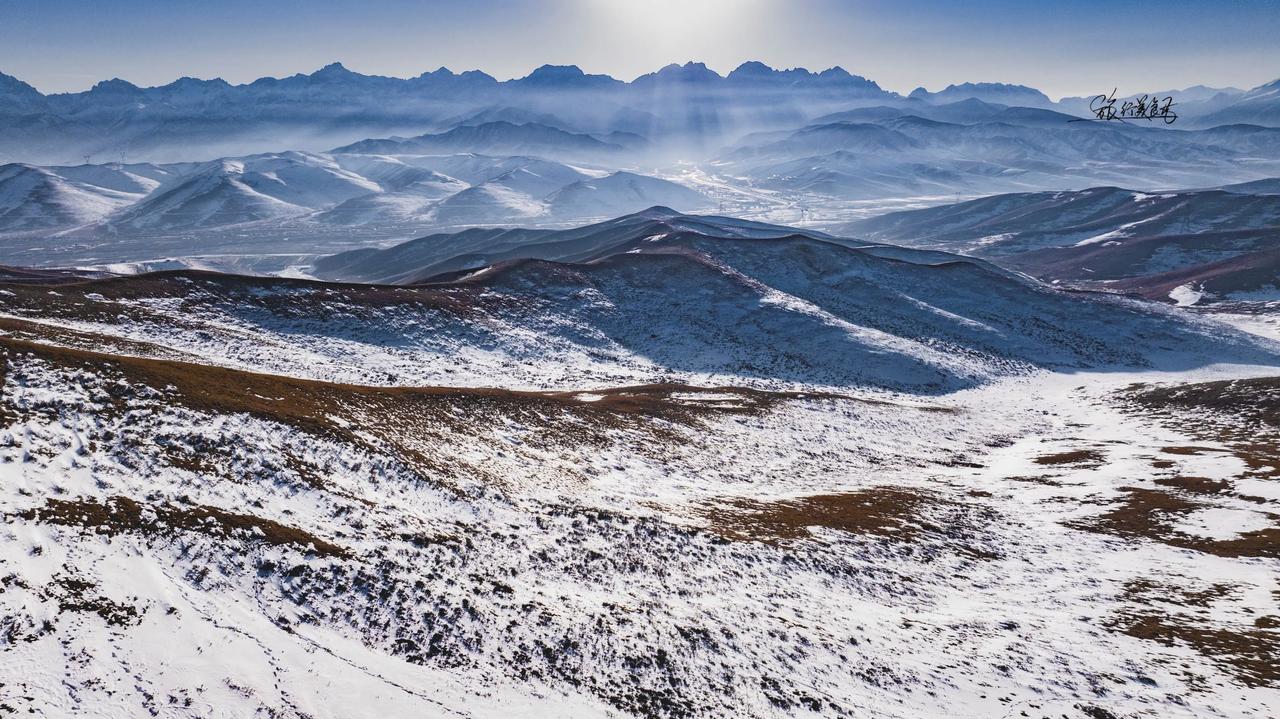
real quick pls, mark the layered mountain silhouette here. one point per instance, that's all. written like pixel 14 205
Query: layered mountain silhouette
pixel 680 105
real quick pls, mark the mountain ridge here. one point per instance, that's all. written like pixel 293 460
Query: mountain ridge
pixel 676 109
pixel 1218 242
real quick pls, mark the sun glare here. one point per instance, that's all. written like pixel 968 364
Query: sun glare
pixel 678 29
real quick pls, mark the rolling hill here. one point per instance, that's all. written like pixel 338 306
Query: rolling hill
pixel 621 193
pixel 35 198
pixel 440 254
pixel 492 138
pixel 1108 236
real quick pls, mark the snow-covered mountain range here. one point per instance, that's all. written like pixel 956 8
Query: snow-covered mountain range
pixel 986 149
pixel 674 110
pixel 501 173
pixel 343 188
pixel 267 176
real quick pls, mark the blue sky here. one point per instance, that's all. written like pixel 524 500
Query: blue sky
pixel 1081 47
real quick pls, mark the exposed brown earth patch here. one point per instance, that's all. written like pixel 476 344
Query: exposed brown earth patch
pixel 116 515
pixel 77 595
pixel 1149 592
pixel 108 298
pixel 1242 414
pixel 1076 457
pixel 895 513
pixel 333 408
pixel 1258 397
pixel 409 424
pixel 1189 451
pixel 307 404
pixel 1150 513
pixel 31 331
pixel 880 511
pixel 1173 615
pixel 1196 485
pixel 1046 481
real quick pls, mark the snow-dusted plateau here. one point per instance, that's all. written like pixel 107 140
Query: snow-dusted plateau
pixel 483 403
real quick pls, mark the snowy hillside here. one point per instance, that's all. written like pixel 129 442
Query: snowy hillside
pixel 472 249
pixel 215 194
pixel 1131 240
pixel 1010 224
pixel 298 195
pixel 238 190
pixel 984 149
pixel 407 193
pixel 722 469
pixel 647 298
pixel 37 197
pixel 621 193
pixel 138 179
pixel 496 201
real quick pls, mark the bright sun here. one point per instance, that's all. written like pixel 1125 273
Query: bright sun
pixel 677 29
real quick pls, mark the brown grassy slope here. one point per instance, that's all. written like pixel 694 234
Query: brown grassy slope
pixel 410 423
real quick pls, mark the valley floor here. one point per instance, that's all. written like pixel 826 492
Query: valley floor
pixel 1045 546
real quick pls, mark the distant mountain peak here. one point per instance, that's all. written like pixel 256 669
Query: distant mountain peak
pixel 973 102
pixel 10 85
pixel 992 92
pixel 10 80
pixel 187 81
pixel 567 76
pixel 444 75
pixel 688 72
pixel 1267 90
pixel 333 70
pixel 115 84
pixel 757 71
pixel 658 212
pixel 752 68
pixel 556 71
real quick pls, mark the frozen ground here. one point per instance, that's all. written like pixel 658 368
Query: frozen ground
pixel 1260 318
pixel 187 537
pixel 826 556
